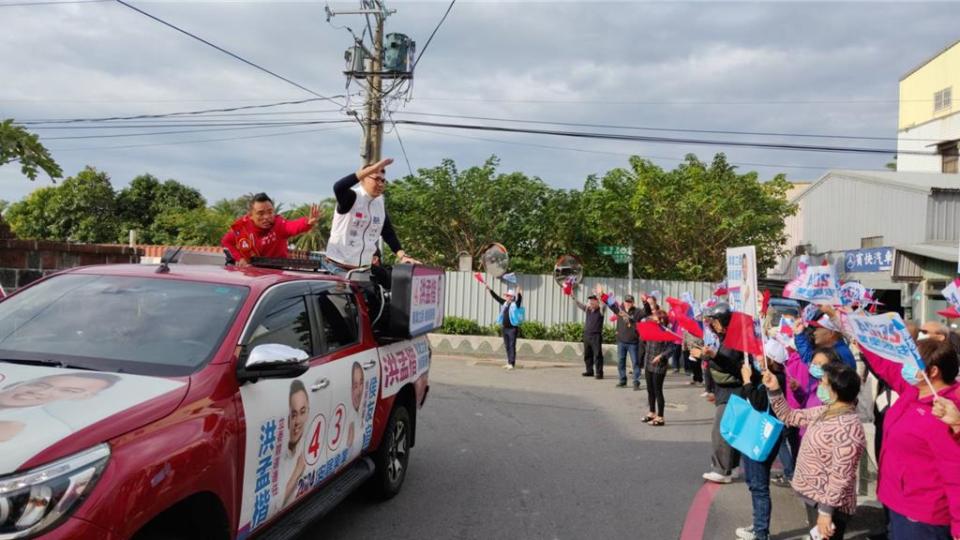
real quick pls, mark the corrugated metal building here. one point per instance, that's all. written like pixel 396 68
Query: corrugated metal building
pixel 850 216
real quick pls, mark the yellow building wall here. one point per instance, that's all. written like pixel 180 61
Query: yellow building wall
pixel 917 88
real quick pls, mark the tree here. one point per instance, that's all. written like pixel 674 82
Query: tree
pixel 316 238
pixel 81 209
pixel 443 211
pixel 142 202
pixel 686 218
pixel 18 144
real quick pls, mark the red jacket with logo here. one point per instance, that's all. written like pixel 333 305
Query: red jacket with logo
pixel 245 239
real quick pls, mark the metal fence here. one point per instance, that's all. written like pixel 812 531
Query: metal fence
pixel 543 299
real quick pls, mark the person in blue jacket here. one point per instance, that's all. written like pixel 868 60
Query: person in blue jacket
pixel 823 333
pixel 510 317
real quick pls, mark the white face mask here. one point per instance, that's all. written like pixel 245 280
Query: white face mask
pixel 923 336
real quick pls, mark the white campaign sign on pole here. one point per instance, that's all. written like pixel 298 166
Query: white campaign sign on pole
pixel 742 280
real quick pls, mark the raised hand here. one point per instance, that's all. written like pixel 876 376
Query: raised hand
pixel 315 215
pixel 377 168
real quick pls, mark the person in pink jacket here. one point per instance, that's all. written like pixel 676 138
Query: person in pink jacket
pixel 919 478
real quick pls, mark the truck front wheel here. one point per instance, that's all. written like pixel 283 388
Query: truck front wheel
pixel 392 457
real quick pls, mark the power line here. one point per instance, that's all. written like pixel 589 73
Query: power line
pixel 403 149
pixel 678 130
pixel 682 102
pixel 666 140
pixel 55 2
pixel 261 136
pixel 178 113
pixel 603 152
pixel 180 132
pixel 225 51
pixel 201 124
pixel 429 39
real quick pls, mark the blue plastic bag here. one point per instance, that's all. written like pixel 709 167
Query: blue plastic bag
pixel 753 433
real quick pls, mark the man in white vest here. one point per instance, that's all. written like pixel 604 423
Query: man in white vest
pixel 360 221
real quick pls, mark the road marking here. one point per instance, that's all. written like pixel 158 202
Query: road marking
pixel 696 522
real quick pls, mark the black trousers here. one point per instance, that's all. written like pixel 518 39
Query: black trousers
pixel 593 353
pixel 655 391
pixel 510 343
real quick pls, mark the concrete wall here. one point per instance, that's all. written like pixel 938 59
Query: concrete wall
pixel 25 261
pixel 924 138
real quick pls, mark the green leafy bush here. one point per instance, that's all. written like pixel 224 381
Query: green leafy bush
pixel 609 334
pixel 533 330
pixel 572 331
pixel 459 326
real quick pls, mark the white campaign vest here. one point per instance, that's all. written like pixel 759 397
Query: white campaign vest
pixel 354 235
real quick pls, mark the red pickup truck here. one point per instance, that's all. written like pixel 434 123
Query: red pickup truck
pixel 205 402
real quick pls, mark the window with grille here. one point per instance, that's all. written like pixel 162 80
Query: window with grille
pixel 943 99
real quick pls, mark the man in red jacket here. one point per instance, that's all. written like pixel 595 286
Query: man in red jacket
pixel 262 233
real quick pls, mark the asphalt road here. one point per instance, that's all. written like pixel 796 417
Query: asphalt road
pixel 539 452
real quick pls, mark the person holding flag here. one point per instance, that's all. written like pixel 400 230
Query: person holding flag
pixel 919 476
pixel 724 365
pixel 657 354
pixel 592 333
pixel 628 341
pixel 510 316
pixel 823 333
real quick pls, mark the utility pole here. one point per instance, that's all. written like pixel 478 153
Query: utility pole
pixel 373 127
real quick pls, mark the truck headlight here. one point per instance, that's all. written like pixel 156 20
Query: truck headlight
pixel 34 501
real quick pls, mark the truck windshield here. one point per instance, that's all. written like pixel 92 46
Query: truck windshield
pixel 148 326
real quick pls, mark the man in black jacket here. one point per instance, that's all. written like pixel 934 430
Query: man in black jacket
pixel 725 370
pixel 592 336
pixel 628 341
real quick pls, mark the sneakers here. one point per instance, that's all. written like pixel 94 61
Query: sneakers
pixel 508 367
pixel 745 533
pixel 717 478
pixel 622 384
pixel 705 394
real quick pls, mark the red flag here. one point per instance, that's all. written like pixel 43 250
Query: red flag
pixel 690 326
pixel 741 335
pixel 479 277
pixel 949 313
pixel 651 331
pixel 766 303
pixel 680 312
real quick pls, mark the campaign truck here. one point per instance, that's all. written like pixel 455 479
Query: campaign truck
pixel 205 401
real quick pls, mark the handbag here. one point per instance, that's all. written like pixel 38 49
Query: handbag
pixel 753 433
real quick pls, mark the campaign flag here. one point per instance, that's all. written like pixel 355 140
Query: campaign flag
pixel 479 277
pixel 510 278
pixel 722 289
pixel 742 335
pixel 952 293
pixel 765 303
pixel 651 331
pixel 694 305
pixel 568 285
pixel 811 312
pixel 885 336
pixel 853 293
pixel 817 285
pixel 785 333
pixel 711 340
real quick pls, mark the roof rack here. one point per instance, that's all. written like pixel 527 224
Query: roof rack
pixel 301 265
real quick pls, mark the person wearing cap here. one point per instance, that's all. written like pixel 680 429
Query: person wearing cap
pixel 509 319
pixel 628 341
pixel 593 334
pixel 360 220
pixel 823 333
pixel 757 473
pixel 724 365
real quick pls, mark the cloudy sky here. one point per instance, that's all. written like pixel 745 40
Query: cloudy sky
pixel 797 68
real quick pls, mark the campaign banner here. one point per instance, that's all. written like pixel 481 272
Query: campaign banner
pixel 868 260
pixel 884 335
pixel 742 280
pixel 711 340
pixel 952 293
pixel 403 362
pixel 687 297
pixel 426 302
pixel 817 285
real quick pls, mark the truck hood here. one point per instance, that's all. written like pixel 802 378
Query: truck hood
pixel 55 412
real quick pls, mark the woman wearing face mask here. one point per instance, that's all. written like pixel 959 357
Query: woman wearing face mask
pixel 919 480
pixel 657 356
pixel 826 472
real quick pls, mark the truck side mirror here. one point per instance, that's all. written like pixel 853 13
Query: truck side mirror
pixel 273 361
